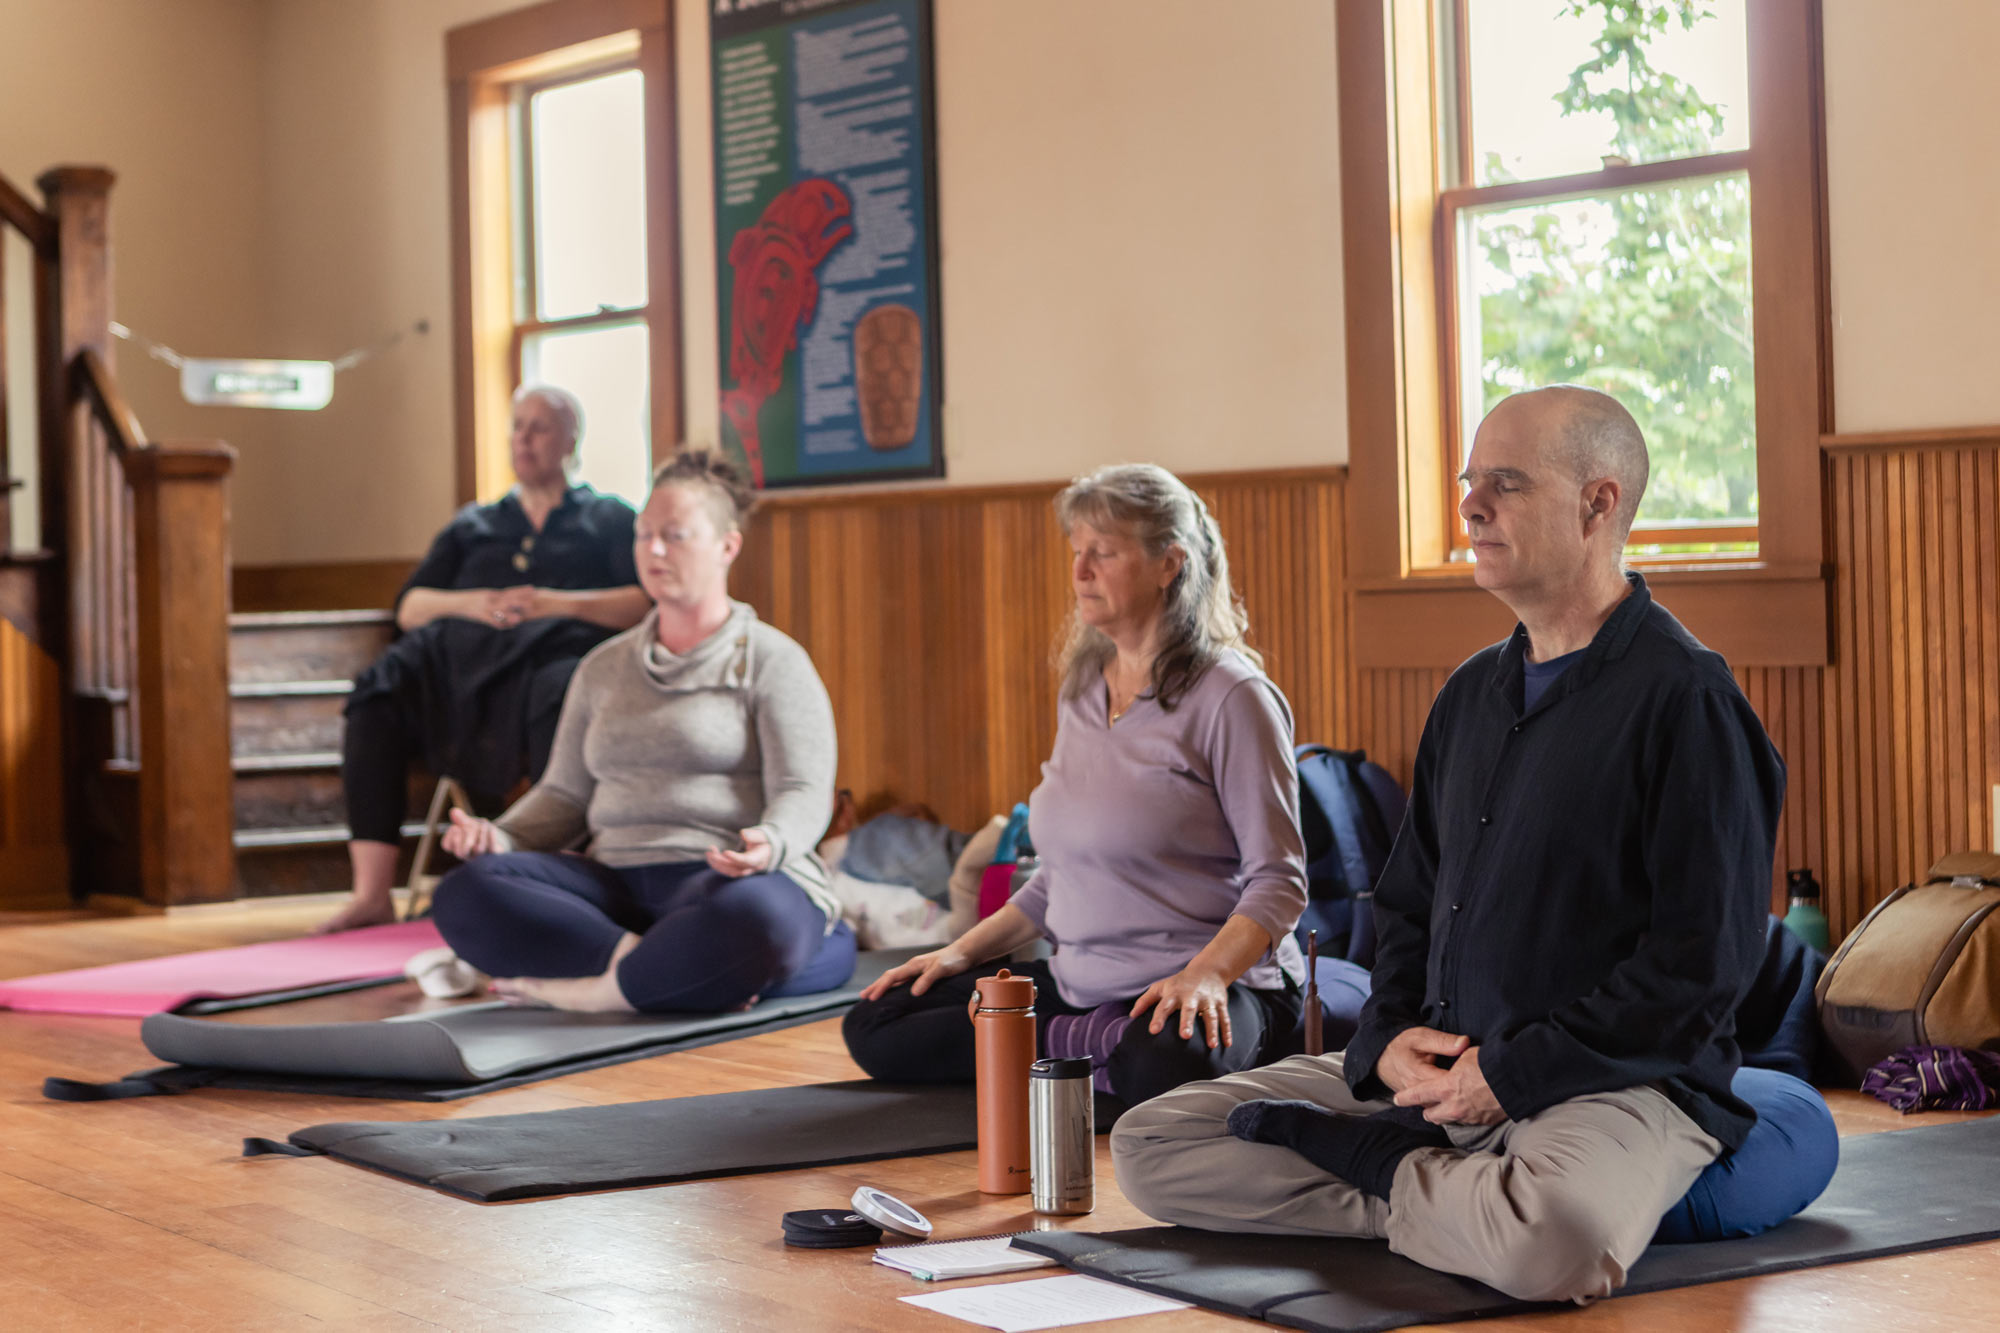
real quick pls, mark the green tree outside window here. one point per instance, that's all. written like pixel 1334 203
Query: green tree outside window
pixel 1644 293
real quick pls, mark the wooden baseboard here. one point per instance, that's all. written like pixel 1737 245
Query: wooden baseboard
pixel 344 586
pixel 34 878
pixel 331 901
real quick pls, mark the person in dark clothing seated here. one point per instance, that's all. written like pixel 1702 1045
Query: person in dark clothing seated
pixel 1574 908
pixel 493 622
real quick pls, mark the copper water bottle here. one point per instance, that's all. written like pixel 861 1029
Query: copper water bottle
pixel 1003 1046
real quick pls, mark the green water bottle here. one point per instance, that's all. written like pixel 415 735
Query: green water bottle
pixel 1804 919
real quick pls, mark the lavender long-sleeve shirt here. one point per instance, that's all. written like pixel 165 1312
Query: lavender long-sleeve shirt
pixel 1156 829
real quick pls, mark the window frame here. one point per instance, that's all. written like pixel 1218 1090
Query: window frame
pixel 492 68
pixel 1452 202
pixel 528 320
pixel 1415 606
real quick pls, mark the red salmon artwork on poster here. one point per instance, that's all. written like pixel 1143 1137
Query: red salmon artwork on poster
pixel 774 291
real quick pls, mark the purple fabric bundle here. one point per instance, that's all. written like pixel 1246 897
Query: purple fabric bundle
pixel 1089 1037
pixel 1936 1078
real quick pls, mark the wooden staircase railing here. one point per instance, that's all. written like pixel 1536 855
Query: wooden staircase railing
pixel 136 535
pixel 180 580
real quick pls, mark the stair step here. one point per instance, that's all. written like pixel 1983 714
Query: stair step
pixel 304 791
pixel 289 689
pixel 279 646
pixel 279 862
pixel 317 835
pixel 313 761
pixel 268 719
pixel 277 620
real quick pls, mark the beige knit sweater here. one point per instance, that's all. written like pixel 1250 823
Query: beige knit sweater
pixel 660 756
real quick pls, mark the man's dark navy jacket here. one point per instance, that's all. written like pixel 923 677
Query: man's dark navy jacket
pixel 1582 889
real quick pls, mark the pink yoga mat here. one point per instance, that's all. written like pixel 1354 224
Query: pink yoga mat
pixel 153 985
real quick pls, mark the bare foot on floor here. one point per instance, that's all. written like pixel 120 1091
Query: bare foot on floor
pixel 579 995
pixel 358 913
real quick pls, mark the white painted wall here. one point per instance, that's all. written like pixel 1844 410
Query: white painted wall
pixel 1139 212
pixel 1100 165
pixel 168 97
pixel 1140 231
pixel 1913 182
pixel 358 211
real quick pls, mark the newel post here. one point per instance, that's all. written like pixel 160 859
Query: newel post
pixel 85 512
pixel 180 515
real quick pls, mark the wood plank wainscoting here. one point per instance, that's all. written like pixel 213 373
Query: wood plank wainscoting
pixel 933 616
pixel 1893 749
pixel 1910 709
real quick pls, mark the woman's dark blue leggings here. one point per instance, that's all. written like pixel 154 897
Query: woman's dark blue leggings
pixel 706 942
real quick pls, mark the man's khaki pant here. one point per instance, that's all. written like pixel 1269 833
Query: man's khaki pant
pixel 1554 1207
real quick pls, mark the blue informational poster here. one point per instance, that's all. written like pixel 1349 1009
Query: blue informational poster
pixel 826 239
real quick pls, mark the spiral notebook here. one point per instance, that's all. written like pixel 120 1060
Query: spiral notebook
pixel 942 1260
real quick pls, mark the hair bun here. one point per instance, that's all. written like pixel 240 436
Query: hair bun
pixel 709 468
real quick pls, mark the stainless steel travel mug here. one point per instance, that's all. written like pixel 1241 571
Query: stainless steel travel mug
pixel 1062 1137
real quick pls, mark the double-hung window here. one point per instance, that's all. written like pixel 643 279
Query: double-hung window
pixel 564 234
pixel 580 271
pixel 1595 229
pixel 1625 194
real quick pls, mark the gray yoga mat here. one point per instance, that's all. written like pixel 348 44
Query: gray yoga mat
pixel 1895 1192
pixel 440 1056
pixel 468 1044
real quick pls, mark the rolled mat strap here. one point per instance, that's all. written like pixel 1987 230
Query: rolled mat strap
pixel 76 1090
pixel 256 1147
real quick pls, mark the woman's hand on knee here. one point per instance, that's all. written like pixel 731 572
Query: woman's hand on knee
pixel 755 858
pixel 471 836
pixel 927 969
pixel 1197 995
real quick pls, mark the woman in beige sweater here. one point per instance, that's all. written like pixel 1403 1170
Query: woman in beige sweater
pixel 694 760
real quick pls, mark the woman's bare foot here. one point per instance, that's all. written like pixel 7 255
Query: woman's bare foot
pixel 359 912
pixel 578 995
pixel 373 904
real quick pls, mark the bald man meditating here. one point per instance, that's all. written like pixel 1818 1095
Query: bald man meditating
pixel 1574 907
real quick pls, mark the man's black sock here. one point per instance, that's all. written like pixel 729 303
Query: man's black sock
pixel 1364 1151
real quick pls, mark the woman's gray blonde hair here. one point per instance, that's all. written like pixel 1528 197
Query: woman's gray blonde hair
pixel 1201 616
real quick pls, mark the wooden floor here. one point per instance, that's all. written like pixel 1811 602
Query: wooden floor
pixel 141 1215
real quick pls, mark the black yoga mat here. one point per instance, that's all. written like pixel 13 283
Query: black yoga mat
pixel 542 1153
pixel 443 1055
pixel 1895 1192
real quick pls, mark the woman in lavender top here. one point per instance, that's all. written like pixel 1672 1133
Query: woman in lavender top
pixel 1172 870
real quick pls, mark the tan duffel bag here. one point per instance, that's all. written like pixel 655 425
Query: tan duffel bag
pixel 1922 969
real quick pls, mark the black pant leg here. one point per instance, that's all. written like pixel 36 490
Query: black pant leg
pixel 546 688
pixel 376 750
pixel 1144 1065
pixel 905 1038
pixel 536 914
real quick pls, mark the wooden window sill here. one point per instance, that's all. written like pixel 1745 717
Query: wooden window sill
pixel 1756 614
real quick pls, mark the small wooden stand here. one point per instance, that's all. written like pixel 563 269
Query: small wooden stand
pixel 1315 1040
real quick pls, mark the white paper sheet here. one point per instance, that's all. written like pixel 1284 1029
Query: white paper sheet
pixel 1049 1302
pixel 940 1261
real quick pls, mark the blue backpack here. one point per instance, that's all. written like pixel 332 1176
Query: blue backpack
pixel 1349 811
